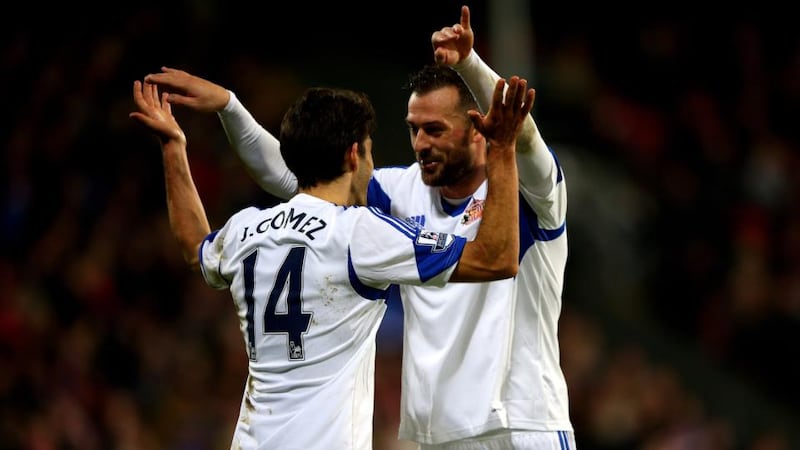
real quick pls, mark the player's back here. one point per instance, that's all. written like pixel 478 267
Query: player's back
pixel 310 335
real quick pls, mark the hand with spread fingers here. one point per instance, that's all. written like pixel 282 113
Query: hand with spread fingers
pixel 155 113
pixel 502 124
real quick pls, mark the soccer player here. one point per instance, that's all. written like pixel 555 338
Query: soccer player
pixel 472 377
pixel 309 276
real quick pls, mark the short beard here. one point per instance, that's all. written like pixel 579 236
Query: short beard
pixel 460 164
pixel 451 174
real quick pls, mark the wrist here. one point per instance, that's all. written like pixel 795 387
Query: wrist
pixel 230 103
pixel 471 60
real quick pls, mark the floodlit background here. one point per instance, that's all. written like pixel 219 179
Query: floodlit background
pixel 676 127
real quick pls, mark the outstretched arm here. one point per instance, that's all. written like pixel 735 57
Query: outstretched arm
pixel 453 46
pixel 256 147
pixel 498 238
pixel 187 216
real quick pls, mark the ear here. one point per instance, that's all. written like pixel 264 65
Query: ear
pixel 351 158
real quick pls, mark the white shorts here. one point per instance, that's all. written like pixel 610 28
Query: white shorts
pixel 511 440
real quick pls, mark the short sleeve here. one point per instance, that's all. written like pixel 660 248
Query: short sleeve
pixel 213 250
pixel 388 250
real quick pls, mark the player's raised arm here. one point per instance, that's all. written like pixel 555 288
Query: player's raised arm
pixel 498 236
pixel 256 147
pixel 453 46
pixel 187 216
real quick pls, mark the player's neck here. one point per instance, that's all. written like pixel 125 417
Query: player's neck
pixel 337 191
pixel 466 186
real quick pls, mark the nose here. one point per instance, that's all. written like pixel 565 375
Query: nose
pixel 420 142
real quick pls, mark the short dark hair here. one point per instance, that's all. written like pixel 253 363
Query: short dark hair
pixel 435 76
pixel 318 129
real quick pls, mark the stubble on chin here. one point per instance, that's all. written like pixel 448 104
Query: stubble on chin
pixel 431 178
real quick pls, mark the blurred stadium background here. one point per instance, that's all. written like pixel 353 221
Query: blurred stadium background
pixel 677 129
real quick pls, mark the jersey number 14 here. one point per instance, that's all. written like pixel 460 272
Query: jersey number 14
pixel 294 322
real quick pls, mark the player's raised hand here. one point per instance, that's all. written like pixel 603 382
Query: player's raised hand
pixel 155 113
pixel 452 45
pixel 503 123
pixel 189 90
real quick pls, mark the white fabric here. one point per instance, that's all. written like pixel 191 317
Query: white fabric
pixel 477 357
pixel 512 440
pixel 258 149
pixel 482 356
pixel 324 270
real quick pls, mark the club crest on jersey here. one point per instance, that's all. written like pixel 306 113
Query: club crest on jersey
pixel 473 213
pixel 439 241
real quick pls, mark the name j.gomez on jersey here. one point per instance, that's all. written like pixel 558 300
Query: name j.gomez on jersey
pixel 298 221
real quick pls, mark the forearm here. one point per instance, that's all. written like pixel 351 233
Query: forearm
pixel 258 150
pixel 187 216
pixel 495 250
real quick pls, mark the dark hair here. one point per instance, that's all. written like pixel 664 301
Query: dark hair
pixel 433 77
pixel 319 128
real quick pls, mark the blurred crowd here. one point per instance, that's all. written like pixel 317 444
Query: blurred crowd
pixel 679 142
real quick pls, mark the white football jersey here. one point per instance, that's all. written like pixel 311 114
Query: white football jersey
pixel 478 357
pixel 309 281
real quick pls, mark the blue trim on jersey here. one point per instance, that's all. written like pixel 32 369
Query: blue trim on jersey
pixel 209 238
pixel 563 440
pixel 377 197
pixel 393 294
pixel 410 229
pixel 362 289
pixel 434 259
pixel 529 231
pixel 560 175
pixel 454 210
